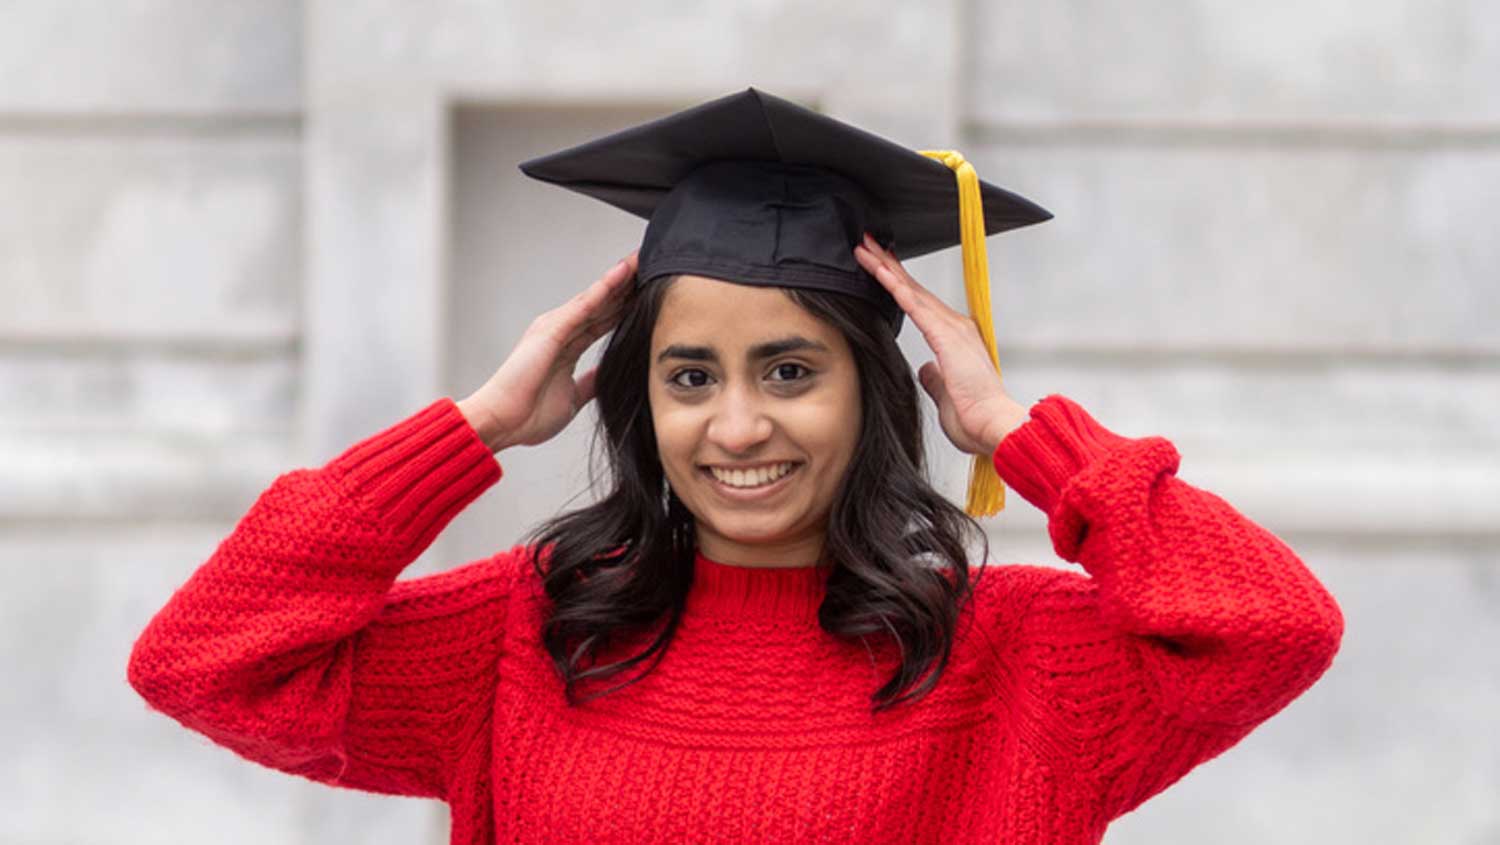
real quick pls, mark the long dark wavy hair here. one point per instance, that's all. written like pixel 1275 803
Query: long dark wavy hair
pixel 896 548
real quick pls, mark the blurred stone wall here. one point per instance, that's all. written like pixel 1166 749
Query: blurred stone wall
pixel 151 227
pixel 235 238
pixel 1274 244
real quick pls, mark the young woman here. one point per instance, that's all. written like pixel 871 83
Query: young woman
pixel 765 630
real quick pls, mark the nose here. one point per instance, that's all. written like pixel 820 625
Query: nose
pixel 739 423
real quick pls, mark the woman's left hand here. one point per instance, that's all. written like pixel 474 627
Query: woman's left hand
pixel 973 407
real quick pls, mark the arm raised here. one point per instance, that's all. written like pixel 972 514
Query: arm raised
pixel 294 646
pixel 1192 626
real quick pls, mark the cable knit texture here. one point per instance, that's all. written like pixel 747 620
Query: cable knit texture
pixel 1071 696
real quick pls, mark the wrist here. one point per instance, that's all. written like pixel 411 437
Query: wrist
pixel 483 424
pixel 1008 416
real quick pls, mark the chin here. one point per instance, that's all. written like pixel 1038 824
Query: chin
pixel 752 530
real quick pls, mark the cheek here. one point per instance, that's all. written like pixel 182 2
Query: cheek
pixel 676 436
pixel 829 428
pixel 847 429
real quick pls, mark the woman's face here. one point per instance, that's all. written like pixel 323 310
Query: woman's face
pixel 756 406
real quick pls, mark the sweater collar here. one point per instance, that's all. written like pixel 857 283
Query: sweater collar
pixel 734 591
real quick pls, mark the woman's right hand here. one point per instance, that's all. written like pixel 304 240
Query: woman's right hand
pixel 534 395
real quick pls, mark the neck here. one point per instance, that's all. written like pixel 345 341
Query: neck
pixel 800 551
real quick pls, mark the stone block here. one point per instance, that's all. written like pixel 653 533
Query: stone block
pixel 1329 60
pixel 116 234
pixel 129 433
pixel 1397 741
pixel 110 476
pixel 1259 249
pixel 1310 445
pixel 123 391
pixel 156 56
pixel 88 760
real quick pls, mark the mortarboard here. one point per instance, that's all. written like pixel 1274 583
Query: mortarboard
pixel 754 189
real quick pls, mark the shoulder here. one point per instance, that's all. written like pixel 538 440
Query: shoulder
pixel 1010 598
pixel 502 576
pixel 1017 585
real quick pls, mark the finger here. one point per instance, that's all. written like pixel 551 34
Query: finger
pixel 903 275
pixel 889 259
pixel 599 300
pixel 919 303
pixel 586 336
pixel 929 321
pixel 898 288
pixel 608 290
pixel 596 327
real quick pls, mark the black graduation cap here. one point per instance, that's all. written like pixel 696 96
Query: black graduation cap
pixel 754 189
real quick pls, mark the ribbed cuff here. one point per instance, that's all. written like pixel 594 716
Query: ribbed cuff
pixel 1037 459
pixel 419 473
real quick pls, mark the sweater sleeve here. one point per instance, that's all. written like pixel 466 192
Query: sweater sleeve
pixel 294 646
pixel 1192 626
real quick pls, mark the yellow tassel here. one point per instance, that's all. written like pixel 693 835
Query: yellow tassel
pixel 986 495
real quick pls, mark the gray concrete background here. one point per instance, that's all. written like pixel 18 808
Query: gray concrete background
pixel 236 237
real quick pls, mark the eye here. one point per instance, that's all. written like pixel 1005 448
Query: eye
pixel 689 378
pixel 789 372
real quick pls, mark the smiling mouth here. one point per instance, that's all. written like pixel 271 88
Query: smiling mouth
pixel 753 478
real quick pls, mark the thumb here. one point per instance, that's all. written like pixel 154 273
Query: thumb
pixel 584 387
pixel 931 377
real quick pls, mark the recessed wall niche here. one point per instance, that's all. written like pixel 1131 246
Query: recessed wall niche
pixel 516 248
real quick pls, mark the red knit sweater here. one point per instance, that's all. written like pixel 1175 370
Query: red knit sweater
pixel 1070 698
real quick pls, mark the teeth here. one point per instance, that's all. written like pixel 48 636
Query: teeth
pixel 758 477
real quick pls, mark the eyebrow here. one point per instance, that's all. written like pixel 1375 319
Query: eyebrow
pixel 758 352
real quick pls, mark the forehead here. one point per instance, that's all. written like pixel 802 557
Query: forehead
pixel 711 312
